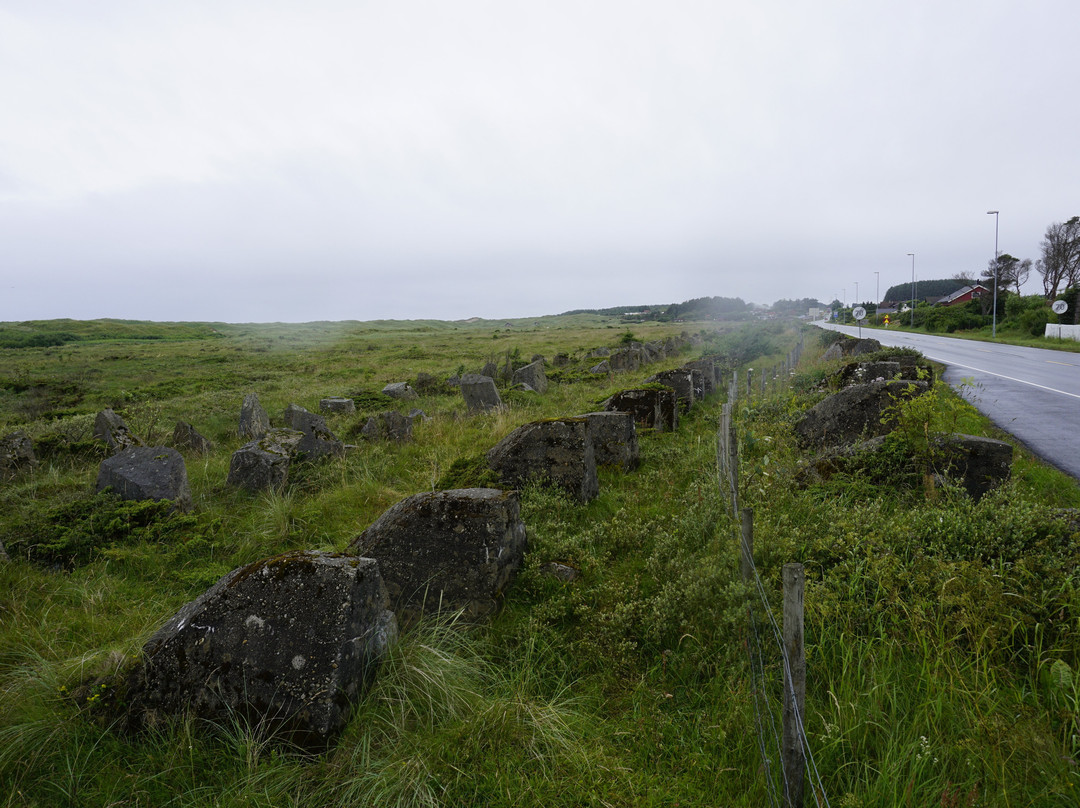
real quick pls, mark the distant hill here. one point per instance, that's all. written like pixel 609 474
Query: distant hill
pixel 46 333
pixel 925 289
pixel 617 311
pixel 798 307
pixel 700 308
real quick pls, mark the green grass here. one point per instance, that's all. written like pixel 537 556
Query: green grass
pixel 1005 336
pixel 943 636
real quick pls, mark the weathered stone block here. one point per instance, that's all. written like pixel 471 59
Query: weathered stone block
pixel 863 372
pixel 707 368
pixel 16 454
pixel 533 376
pixel 614 438
pixel 185 436
pixel 254 420
pixel 110 427
pixel 559 450
pixel 653 408
pixel 400 391
pixel 146 472
pixel 850 346
pixel 681 381
pixel 854 413
pixel 388 426
pixel 479 393
pixel 626 359
pixel 300 419
pixel 980 464
pixel 337 404
pixel 449 550
pixel 264 463
pixel 318 440
pixel 287 644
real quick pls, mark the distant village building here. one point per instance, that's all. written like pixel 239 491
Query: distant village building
pixel 964 294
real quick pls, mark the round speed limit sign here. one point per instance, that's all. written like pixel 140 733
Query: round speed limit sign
pixel 858 313
pixel 1059 307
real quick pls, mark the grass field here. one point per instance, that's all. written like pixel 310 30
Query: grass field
pixel 943 635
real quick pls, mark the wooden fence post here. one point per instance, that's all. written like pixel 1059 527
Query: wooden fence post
pixel 794 685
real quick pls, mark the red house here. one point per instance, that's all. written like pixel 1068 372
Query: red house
pixel 963 295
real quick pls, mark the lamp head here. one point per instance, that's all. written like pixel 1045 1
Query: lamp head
pixel 991 211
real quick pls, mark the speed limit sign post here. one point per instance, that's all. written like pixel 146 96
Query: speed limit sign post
pixel 859 313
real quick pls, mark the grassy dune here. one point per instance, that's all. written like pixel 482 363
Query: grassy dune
pixel 943 635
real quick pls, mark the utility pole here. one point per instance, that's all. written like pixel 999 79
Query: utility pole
pixel 912 289
pixel 993 332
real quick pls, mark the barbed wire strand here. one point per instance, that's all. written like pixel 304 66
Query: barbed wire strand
pixel 778 637
pixel 766 763
pixel 768 705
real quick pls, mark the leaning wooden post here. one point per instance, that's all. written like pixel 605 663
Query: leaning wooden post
pixel 794 685
pixel 746 551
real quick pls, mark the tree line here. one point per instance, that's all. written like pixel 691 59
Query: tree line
pixel 1058 265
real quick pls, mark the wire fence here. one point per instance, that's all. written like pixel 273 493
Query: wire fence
pixel 787 758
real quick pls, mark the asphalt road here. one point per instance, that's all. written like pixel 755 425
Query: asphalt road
pixel 1031 393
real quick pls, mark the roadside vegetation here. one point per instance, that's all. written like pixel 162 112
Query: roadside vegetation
pixel 1021 320
pixel 943 635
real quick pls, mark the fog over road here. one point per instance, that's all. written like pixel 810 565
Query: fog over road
pixel 1032 393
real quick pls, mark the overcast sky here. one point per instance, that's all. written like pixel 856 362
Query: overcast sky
pixel 264 161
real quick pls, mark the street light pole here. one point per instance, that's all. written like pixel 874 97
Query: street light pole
pixel 993 332
pixel 857 301
pixel 877 290
pixel 912 289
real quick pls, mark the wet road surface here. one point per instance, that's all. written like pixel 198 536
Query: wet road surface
pixel 1031 393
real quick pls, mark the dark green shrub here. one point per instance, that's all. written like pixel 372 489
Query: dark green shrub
pixel 468 472
pixel 369 402
pixel 948 319
pixel 1034 322
pixel 827 337
pixel 72 533
pixel 13 340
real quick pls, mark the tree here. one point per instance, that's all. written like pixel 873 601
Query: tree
pixel 1011 271
pixel 1060 262
pixel 800 306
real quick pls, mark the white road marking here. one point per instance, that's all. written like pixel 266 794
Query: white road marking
pixel 1003 376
